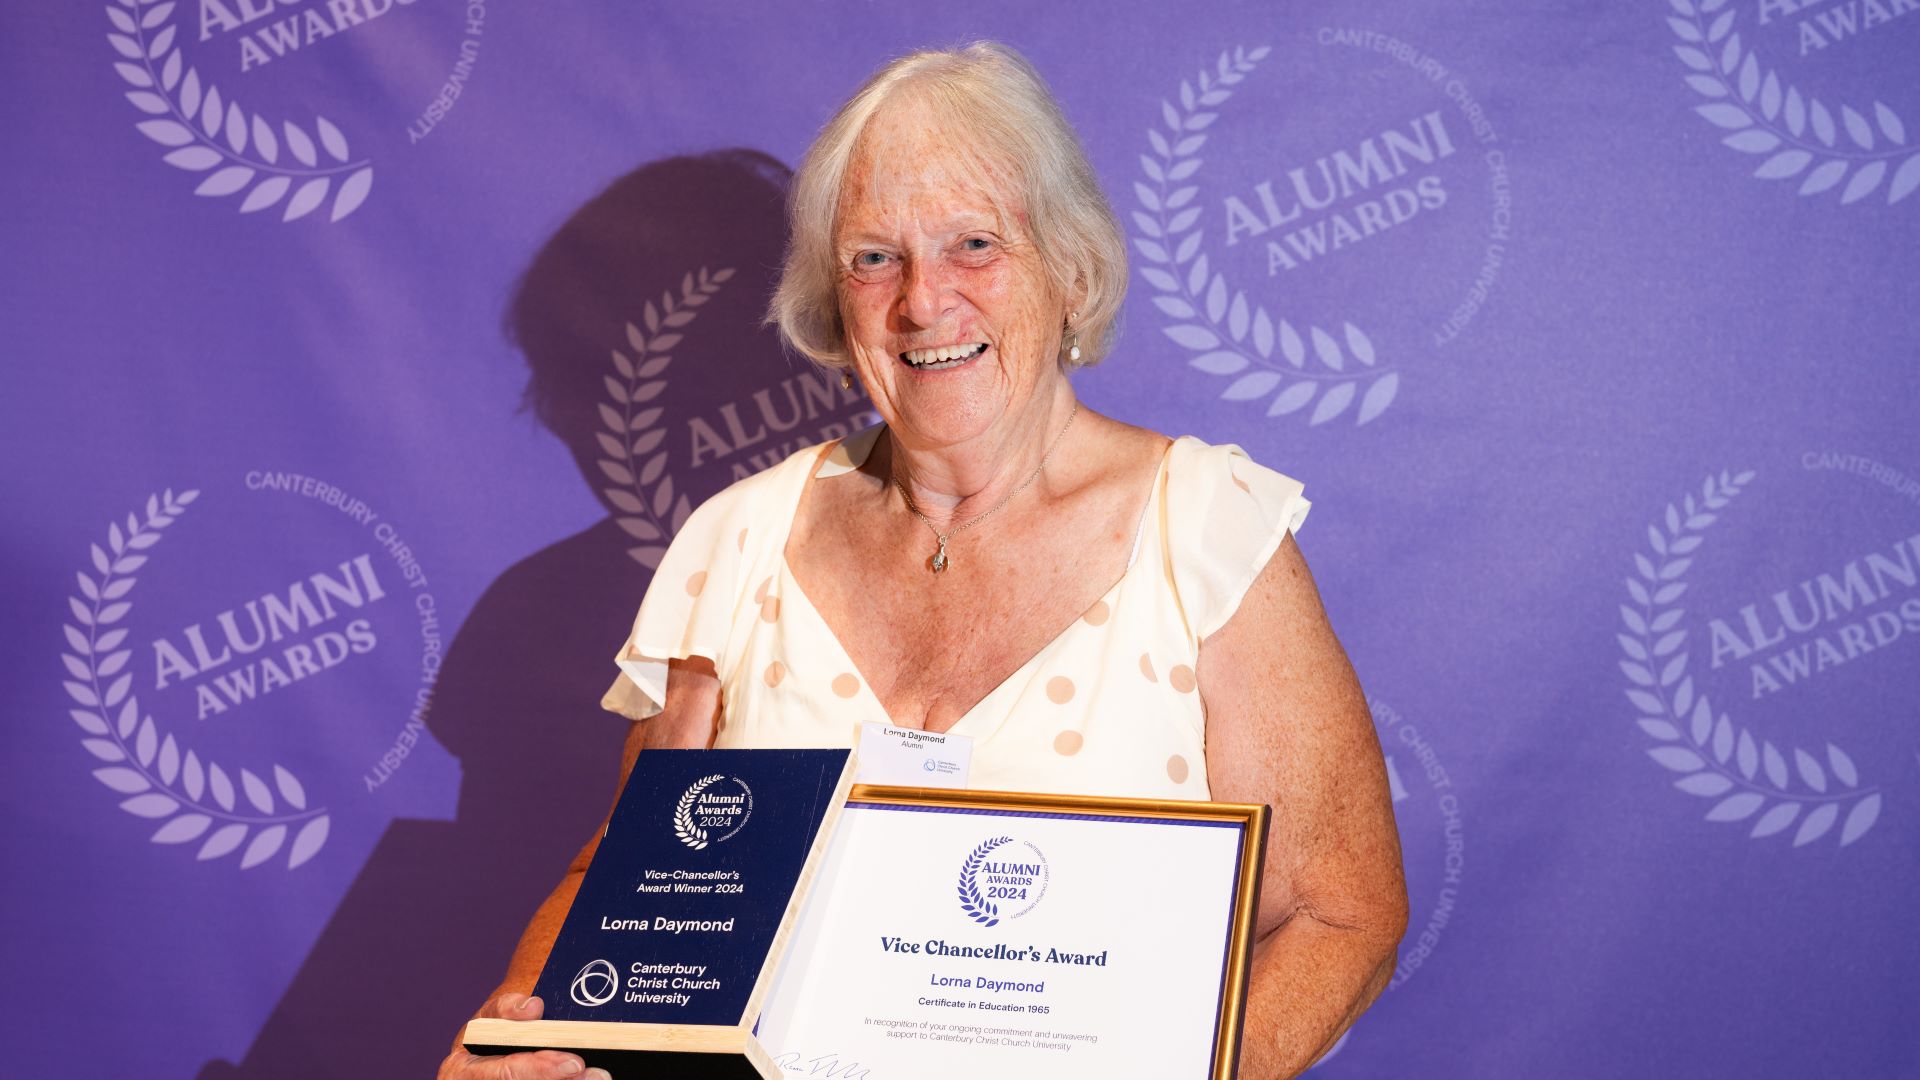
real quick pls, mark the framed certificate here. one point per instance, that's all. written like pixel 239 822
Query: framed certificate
pixel 961 934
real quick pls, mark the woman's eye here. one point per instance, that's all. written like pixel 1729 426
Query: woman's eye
pixel 867 260
pixel 976 243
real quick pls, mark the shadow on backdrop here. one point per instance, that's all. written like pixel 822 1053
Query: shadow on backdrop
pixel 686 250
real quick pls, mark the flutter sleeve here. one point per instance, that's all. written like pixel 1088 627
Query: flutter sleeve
pixel 689 607
pixel 1226 516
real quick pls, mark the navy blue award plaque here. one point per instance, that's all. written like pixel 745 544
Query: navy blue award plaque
pixel 670 945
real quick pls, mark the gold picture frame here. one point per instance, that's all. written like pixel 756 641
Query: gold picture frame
pixel 1251 819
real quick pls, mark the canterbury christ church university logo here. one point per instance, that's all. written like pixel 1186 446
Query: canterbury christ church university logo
pixel 224 88
pixel 596 984
pixel 321 646
pixel 1306 267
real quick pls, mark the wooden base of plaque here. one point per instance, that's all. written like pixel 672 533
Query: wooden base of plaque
pixel 633 1051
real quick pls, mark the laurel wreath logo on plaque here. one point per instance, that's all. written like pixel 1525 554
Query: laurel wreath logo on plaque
pixel 1229 335
pixel 1765 115
pixel 697 824
pixel 684 827
pixel 205 133
pixel 161 779
pixel 644 496
pixel 1746 778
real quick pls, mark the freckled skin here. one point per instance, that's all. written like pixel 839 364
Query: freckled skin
pixel 949 269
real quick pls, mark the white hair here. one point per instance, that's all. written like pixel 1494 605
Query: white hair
pixel 994 96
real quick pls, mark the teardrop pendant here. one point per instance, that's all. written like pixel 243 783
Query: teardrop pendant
pixel 940 556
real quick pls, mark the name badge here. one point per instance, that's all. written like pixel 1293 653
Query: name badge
pixel 911 758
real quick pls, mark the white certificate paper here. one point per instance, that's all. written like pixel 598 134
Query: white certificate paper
pixel 968 943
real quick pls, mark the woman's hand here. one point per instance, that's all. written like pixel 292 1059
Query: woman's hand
pixel 539 1065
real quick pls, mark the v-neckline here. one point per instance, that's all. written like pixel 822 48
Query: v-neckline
pixel 964 724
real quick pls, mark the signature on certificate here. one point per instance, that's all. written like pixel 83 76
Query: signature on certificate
pixel 827 1065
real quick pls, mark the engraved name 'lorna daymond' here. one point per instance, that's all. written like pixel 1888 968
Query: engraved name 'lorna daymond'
pixel 1344 197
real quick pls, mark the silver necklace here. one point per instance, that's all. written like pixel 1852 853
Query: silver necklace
pixel 939 562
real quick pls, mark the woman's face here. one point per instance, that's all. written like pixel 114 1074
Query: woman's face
pixel 950 319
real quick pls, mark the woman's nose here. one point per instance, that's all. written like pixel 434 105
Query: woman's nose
pixel 926 292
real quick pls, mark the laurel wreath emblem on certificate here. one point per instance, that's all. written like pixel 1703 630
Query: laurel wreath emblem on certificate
pixel 208 134
pixel 977 906
pixel 162 779
pixel 1720 760
pixel 1798 135
pixel 1228 334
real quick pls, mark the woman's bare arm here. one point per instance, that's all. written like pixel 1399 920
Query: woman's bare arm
pixel 1287 725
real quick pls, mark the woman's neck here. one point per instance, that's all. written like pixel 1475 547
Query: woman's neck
pixel 953 484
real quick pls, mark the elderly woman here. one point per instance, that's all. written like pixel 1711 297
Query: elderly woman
pixel 1101 609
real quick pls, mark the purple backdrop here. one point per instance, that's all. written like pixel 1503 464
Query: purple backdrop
pixel 364 355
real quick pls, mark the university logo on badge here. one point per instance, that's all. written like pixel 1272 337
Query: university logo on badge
pixel 1766 665
pixel 1306 242
pixel 222 87
pixel 1776 88
pixel 1002 879
pixel 309 630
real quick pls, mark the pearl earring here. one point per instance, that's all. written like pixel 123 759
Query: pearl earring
pixel 846 380
pixel 1073 339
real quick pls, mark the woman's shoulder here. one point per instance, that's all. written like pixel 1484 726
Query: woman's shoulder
pixel 701 578
pixel 1225 478
pixel 1195 461
pixel 1224 515
pixel 759 497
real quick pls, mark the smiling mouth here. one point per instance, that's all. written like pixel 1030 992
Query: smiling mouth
pixel 940 359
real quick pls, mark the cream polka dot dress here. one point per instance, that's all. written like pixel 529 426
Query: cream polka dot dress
pixel 1109 707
